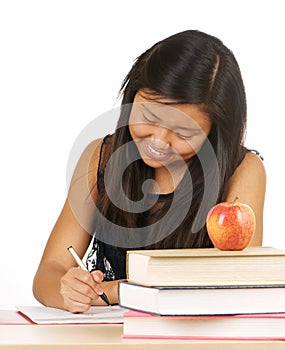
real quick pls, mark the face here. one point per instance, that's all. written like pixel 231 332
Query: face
pixel 165 134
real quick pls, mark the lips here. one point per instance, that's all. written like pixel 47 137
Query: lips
pixel 155 153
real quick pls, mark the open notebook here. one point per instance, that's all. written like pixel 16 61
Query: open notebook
pixel 50 315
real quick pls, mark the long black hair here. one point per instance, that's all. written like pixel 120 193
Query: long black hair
pixel 190 67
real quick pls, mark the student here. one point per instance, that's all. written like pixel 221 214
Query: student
pixel 178 149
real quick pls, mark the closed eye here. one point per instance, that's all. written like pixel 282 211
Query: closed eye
pixel 148 120
pixel 187 137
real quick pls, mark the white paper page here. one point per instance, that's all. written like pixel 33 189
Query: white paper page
pixel 50 315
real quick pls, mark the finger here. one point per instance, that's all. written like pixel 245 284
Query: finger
pixel 74 300
pixel 75 296
pixel 81 282
pixel 83 276
pixel 75 306
pixel 98 276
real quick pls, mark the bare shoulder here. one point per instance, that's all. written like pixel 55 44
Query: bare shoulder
pixel 85 173
pixel 91 154
pixel 253 159
pixel 252 166
pixel 249 176
pixel 248 183
pixel 94 150
pixel 89 158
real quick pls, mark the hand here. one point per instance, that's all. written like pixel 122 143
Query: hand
pixel 80 289
pixel 111 290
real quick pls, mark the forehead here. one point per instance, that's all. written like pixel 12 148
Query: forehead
pixel 168 111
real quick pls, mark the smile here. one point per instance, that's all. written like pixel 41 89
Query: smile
pixel 156 154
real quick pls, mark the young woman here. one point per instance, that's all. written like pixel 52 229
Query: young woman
pixel 178 149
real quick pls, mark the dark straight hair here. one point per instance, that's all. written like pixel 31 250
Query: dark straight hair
pixel 190 67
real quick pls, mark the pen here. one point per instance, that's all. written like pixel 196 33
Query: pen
pixel 83 267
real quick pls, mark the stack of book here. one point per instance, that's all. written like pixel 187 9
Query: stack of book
pixel 204 293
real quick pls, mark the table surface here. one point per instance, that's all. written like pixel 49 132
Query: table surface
pixel 108 336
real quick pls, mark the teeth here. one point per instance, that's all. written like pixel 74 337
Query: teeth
pixel 154 151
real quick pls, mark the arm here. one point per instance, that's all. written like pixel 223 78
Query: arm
pixel 248 183
pixel 58 281
pixel 56 260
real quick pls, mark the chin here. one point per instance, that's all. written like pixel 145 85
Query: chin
pixel 152 163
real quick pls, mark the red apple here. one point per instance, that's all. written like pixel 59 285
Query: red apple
pixel 231 225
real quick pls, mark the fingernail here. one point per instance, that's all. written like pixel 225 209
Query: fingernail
pixel 99 291
pixel 97 278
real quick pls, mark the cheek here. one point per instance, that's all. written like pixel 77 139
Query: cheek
pixel 197 143
pixel 185 150
pixel 190 147
pixel 139 130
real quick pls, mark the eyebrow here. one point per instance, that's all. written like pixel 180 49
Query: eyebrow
pixel 178 127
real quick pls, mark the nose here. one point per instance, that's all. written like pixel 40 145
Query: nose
pixel 162 137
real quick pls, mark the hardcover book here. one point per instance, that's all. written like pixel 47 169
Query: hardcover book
pixel 214 300
pixel 206 267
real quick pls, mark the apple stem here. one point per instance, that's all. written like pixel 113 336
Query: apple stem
pixel 235 200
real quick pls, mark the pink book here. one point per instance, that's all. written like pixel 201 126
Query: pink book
pixel 13 317
pixel 229 327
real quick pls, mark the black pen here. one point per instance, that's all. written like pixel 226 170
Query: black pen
pixel 83 267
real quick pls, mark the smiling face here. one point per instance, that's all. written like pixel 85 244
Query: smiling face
pixel 165 134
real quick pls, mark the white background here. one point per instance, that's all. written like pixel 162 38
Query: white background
pixel 61 65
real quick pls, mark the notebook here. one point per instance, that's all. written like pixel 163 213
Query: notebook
pixel 50 315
